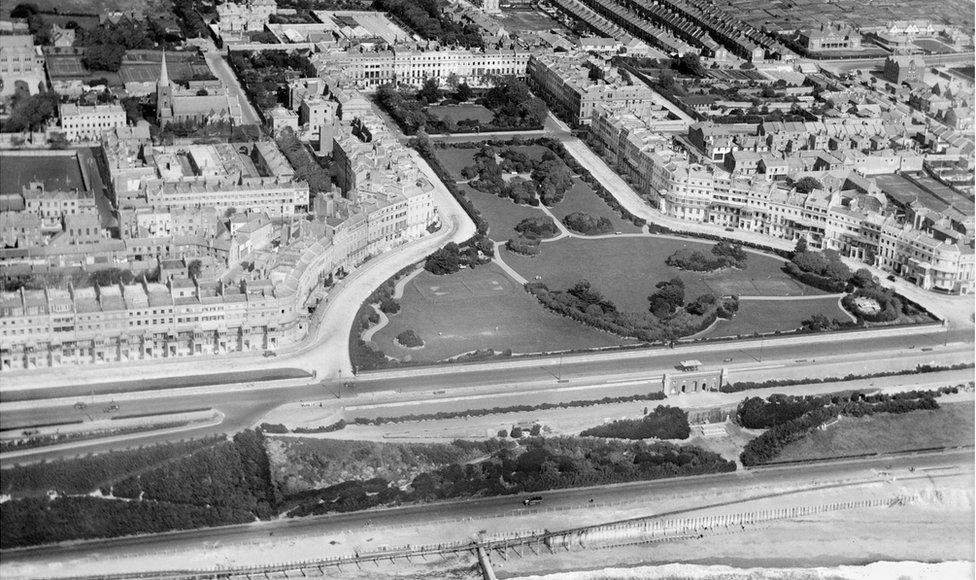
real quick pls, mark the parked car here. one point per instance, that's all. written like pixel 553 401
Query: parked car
pixel 80 405
pixel 270 353
pixel 534 500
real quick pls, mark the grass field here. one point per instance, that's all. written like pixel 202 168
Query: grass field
pixel 773 315
pixel 950 425
pixel 532 20
pixel 462 112
pixel 626 270
pixel 581 197
pixel 55 171
pixel 479 309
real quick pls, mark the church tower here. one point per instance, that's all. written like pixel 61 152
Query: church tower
pixel 164 96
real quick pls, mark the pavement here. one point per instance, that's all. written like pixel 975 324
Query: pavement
pixel 342 534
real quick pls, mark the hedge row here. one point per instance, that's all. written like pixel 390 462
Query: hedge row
pixel 920 369
pixel 511 409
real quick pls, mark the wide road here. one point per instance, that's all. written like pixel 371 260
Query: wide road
pixel 590 378
pixel 328 527
pixel 223 72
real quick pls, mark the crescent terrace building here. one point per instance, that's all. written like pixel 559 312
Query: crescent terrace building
pixel 222 281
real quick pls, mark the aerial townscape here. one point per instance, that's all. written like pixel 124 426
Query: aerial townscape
pixel 478 289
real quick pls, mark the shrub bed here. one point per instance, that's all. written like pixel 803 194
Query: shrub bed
pixel 920 369
pixel 588 225
pixel 663 423
pixel 409 339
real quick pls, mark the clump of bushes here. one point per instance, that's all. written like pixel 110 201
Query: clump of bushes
pixel 537 228
pixel 723 255
pixel 524 246
pixel 823 270
pixel 409 339
pixel 588 225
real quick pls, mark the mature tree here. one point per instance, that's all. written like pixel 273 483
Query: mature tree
pixel 808 184
pixel 690 63
pixel 430 93
pixel 863 278
pixel 23 10
pixel 194 268
pixel 58 141
pixel 107 57
pixel 463 92
pixel 446 260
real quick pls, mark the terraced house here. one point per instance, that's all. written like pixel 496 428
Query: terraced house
pixel 852 213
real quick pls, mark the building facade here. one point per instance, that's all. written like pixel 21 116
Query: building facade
pixel 86 122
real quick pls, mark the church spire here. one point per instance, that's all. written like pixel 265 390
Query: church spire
pixel 163 75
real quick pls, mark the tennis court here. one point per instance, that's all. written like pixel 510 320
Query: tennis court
pixel 66 66
pixel 456 288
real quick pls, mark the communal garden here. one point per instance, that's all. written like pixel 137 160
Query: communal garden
pixel 457 108
pixel 575 271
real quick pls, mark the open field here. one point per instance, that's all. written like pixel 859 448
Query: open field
pixel 773 315
pixel 948 426
pixel 582 198
pixel 54 171
pixel 459 113
pixel 626 269
pixel 478 309
pixel 530 20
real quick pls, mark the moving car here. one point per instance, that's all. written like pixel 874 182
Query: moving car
pixel 534 500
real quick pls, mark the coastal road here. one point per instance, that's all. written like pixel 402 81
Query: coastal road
pixel 768 482
pixel 245 405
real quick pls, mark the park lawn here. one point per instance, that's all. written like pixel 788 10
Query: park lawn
pixel 479 309
pixel 625 270
pixel 772 315
pixel 950 425
pixel 582 198
pixel 462 112
pixel 501 213
pixel 454 159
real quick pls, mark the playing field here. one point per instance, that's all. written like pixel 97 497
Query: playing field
pixel 459 113
pixel 479 309
pixel 626 269
pixel 54 171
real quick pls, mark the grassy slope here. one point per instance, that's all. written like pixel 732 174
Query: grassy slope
pixel 950 425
